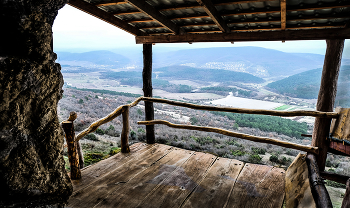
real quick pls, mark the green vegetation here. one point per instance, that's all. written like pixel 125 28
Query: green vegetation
pixel 139 111
pixel 335 184
pixel 268 123
pixel 100 131
pixel 307 84
pixel 91 137
pixel 238 153
pixel 126 94
pixel 218 89
pixel 133 134
pixel 193 120
pixel 283 107
pixel 254 158
pixel 81 101
pixel 211 75
pixel 257 150
pixel 204 140
pixel 274 158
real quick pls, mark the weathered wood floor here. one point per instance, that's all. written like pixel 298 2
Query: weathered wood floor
pixel 163 176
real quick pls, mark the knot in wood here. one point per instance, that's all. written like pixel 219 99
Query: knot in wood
pixel 72 116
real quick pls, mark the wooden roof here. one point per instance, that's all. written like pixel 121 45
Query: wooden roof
pixel 165 21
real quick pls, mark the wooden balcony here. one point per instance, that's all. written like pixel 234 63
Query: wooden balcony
pixel 157 175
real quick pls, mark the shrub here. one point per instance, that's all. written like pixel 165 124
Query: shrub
pixel 193 120
pixel 334 184
pixel 257 150
pixel 254 158
pixel 133 135
pixel 274 158
pixel 237 153
pixel 86 98
pixel 205 140
pixel 114 151
pixel 100 131
pixel 81 101
pixel 141 130
pixel 139 111
pixel 91 137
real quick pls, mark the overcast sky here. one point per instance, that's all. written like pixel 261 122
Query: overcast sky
pixel 76 31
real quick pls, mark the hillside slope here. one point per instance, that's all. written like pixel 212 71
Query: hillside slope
pixel 307 84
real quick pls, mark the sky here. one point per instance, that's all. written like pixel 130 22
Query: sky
pixel 77 31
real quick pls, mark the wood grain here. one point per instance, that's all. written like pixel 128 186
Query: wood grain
pixel 142 185
pixel 216 187
pixel 234 134
pixel 100 169
pixel 73 156
pixel 172 191
pixel 99 189
pixel 326 97
pixel 340 128
pixel 244 110
pixel 298 191
pixel 258 186
pixel 346 199
pixel 148 90
pixel 124 137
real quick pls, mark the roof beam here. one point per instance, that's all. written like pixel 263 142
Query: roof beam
pixel 154 14
pixel 105 16
pixel 343 33
pixel 283 4
pixel 210 9
pixel 115 2
pixel 230 2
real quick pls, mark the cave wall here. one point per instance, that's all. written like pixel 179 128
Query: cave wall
pixel 32 170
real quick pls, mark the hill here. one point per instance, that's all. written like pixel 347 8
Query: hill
pixel 93 58
pixel 307 84
pixel 203 74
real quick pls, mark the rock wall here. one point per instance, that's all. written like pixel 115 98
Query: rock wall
pixel 32 170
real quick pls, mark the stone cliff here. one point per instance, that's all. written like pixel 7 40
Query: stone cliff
pixel 32 170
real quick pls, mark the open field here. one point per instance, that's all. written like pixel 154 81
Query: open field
pixel 239 102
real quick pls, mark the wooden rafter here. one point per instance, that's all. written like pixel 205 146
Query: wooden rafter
pixel 319 5
pixel 115 2
pixel 154 14
pixel 151 27
pixel 230 2
pixel 194 16
pixel 139 20
pixel 179 7
pixel 252 36
pixel 198 24
pixel 127 12
pixel 210 9
pixel 105 16
pixel 253 11
pixel 283 4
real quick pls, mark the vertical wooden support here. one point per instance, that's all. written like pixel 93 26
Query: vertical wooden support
pixel 68 128
pixel 326 97
pixel 80 154
pixel 346 199
pixel 318 190
pixel 147 90
pixel 125 131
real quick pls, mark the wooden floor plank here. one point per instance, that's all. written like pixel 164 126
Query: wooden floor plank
pixel 100 188
pixel 139 187
pixel 174 190
pixel 258 186
pixel 98 170
pixel 215 188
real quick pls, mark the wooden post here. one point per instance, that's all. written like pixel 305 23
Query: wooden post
pixel 125 131
pixel 80 154
pixel 318 190
pixel 147 90
pixel 68 128
pixel 346 199
pixel 326 97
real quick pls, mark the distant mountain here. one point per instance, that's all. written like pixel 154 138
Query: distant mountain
pixel 307 84
pixel 209 75
pixel 93 57
pixel 257 61
pixel 184 73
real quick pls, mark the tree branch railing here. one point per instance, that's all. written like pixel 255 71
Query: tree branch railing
pixel 124 136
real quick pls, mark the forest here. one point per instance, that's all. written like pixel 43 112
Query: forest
pixel 306 85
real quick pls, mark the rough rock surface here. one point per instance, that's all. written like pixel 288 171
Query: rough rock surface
pixel 32 170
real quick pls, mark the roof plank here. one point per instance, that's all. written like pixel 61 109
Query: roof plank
pixel 105 16
pixel 155 14
pixel 283 4
pixel 321 34
pixel 210 9
pixel 115 2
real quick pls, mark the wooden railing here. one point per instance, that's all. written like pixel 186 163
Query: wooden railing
pixel 124 110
